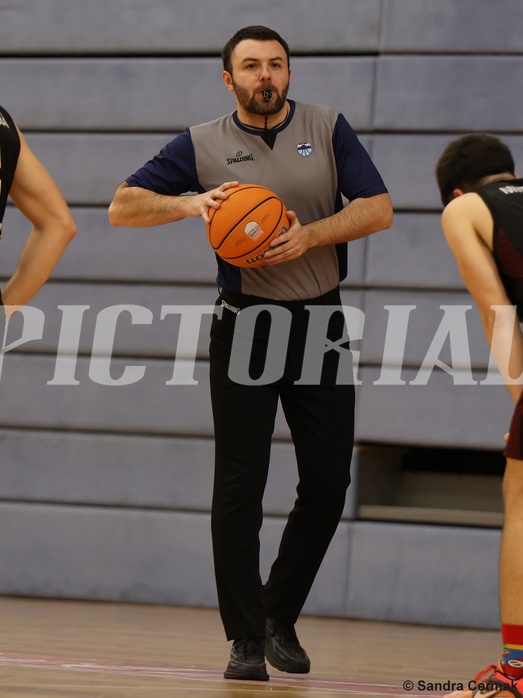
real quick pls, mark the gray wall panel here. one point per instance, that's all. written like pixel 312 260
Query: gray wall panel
pixel 149 404
pixel 146 405
pixel 134 327
pixel 424 574
pixel 465 93
pixel 119 94
pixel 412 254
pixel 89 167
pixel 159 472
pixel 107 469
pixel 159 26
pixel 407 164
pixel 398 336
pixel 446 26
pixel 175 253
pixel 95 553
pixel 114 94
pixel 357 254
pixel 441 413
pixel 336 81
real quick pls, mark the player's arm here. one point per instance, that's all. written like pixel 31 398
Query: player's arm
pixel 138 207
pixel 357 219
pixel 467 225
pixel 35 193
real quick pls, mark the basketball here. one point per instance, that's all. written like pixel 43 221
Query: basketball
pixel 241 230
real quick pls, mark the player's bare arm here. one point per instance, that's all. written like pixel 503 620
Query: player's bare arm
pixel 36 195
pixel 140 208
pixel 358 219
pixel 467 225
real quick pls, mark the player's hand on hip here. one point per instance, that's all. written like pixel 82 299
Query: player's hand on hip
pixel 289 245
pixel 201 203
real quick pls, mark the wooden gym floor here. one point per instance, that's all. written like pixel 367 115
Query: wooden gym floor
pixel 70 649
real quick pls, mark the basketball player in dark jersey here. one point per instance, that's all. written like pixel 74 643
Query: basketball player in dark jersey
pixel 25 180
pixel 483 225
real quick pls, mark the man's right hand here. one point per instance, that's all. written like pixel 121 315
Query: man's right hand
pixel 199 204
pixel 142 208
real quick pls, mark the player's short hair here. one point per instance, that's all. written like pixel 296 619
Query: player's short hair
pixel 468 159
pixel 256 32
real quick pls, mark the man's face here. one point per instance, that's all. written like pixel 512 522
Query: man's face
pixel 258 66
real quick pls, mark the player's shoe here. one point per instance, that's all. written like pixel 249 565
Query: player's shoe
pixel 283 649
pixel 492 682
pixel 247 660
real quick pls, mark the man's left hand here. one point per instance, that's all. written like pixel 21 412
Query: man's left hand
pixel 289 245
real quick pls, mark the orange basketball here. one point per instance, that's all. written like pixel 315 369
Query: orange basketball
pixel 241 230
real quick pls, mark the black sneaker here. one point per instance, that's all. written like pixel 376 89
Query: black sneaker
pixel 283 649
pixel 247 660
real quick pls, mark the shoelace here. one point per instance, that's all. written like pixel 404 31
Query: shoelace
pixel 289 634
pixel 490 670
pixel 250 644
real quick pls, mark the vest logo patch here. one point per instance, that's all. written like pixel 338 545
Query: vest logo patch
pixel 240 157
pixel 304 149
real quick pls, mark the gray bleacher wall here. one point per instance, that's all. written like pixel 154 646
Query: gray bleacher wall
pixel 105 488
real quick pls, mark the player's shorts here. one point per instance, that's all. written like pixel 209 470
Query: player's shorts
pixel 514 447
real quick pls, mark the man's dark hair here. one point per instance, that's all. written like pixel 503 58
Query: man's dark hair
pixel 256 32
pixel 468 159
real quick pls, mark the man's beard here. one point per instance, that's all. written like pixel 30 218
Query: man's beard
pixel 251 105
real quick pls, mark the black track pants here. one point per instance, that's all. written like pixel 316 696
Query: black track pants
pixel 319 409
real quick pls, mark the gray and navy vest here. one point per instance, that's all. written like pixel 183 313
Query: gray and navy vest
pixel 315 160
